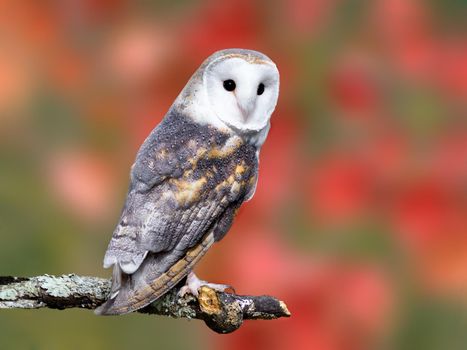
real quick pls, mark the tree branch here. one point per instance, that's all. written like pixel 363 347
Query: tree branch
pixel 222 312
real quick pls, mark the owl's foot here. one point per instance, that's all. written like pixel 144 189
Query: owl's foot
pixel 193 284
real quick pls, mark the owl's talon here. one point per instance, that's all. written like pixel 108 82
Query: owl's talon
pixel 182 292
pixel 218 287
pixel 193 284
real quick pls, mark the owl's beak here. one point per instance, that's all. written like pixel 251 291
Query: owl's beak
pixel 246 106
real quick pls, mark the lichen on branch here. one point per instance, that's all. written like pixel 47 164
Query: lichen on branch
pixel 222 312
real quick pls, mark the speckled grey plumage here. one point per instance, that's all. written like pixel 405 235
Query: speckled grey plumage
pixel 156 228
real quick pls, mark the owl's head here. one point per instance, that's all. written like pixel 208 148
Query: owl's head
pixel 236 88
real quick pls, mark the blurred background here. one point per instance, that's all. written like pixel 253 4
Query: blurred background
pixel 359 222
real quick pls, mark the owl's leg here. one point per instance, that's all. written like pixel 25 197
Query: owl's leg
pixel 193 284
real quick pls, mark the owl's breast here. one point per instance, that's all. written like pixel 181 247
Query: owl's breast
pixel 211 171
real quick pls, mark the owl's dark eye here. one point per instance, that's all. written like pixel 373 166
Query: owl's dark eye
pixel 260 89
pixel 229 85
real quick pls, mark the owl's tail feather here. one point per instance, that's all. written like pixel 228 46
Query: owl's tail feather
pixel 116 281
pixel 147 284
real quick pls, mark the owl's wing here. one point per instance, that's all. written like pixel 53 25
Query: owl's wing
pixel 167 224
pixel 128 247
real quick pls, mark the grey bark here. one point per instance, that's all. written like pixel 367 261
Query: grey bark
pixel 222 312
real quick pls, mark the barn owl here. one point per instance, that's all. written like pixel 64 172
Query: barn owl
pixel 190 176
